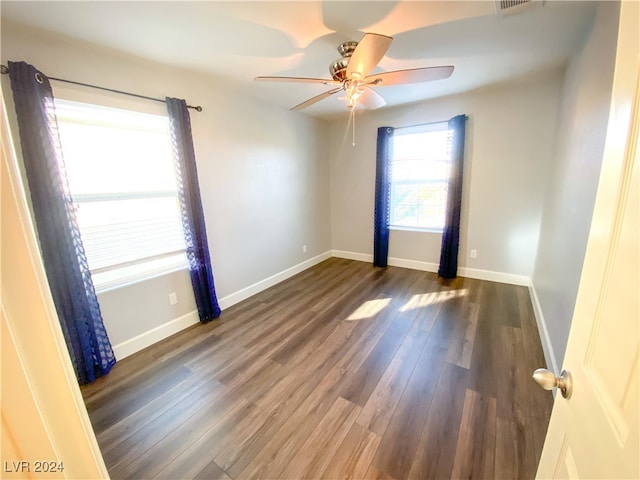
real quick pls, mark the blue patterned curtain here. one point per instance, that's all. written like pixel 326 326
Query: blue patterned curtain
pixel 384 151
pixel 63 255
pixel 195 233
pixel 451 234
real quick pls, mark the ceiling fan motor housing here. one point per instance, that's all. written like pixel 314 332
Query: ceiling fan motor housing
pixel 338 69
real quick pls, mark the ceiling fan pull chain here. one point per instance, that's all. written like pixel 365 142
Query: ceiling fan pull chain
pixel 353 125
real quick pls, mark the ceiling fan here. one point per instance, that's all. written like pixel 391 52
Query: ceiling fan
pixel 351 74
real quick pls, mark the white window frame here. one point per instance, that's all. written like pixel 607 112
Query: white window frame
pixel 120 274
pixel 413 130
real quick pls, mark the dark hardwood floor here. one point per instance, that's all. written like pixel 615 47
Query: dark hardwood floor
pixel 343 371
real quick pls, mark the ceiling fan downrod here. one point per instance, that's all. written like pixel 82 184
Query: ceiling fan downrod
pixel 338 69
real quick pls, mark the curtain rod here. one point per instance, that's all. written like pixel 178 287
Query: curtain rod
pixel 4 70
pixel 419 125
pixel 466 117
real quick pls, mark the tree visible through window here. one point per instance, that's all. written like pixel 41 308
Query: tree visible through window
pixel 122 180
pixel 419 169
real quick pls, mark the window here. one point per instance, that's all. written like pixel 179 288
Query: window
pixel 419 171
pixel 121 177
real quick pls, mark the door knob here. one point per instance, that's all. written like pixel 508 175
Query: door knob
pixel 549 381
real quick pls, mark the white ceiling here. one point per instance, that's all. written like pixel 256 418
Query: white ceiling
pixel 240 40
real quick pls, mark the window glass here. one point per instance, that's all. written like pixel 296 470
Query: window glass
pixel 419 171
pixel 122 180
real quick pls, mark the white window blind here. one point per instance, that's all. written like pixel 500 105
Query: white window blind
pixel 419 170
pixel 122 180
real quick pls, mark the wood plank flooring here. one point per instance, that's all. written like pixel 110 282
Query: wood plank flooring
pixel 343 371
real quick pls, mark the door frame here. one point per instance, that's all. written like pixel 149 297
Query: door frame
pixel 41 379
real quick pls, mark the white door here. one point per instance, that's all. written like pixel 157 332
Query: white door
pixel 594 434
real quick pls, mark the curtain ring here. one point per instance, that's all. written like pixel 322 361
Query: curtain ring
pixel 389 130
pixel 39 77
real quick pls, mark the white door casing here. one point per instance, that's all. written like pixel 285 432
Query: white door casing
pixel 45 427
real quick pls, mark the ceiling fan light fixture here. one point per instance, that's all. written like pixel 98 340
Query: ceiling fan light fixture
pixel 354 90
pixel 352 99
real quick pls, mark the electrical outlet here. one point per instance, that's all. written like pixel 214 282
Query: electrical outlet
pixel 473 254
pixel 304 249
pixel 173 298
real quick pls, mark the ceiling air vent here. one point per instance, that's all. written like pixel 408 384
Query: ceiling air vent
pixel 508 7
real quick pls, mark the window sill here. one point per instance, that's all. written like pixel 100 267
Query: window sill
pixel 416 229
pixel 132 274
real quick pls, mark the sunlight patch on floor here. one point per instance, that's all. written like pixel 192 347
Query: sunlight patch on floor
pixel 421 300
pixel 369 309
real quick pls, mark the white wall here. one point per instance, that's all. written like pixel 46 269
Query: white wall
pixel 509 146
pixel 571 193
pixel 263 172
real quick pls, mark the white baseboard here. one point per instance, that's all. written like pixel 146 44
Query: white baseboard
pixel 547 348
pixel 393 261
pixel 476 273
pixel 258 287
pixel 493 276
pixel 137 343
pixel 413 264
pixel 361 257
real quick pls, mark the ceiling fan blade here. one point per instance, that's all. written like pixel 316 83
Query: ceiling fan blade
pixel 367 54
pixel 371 99
pixel 324 81
pixel 316 99
pixel 412 75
